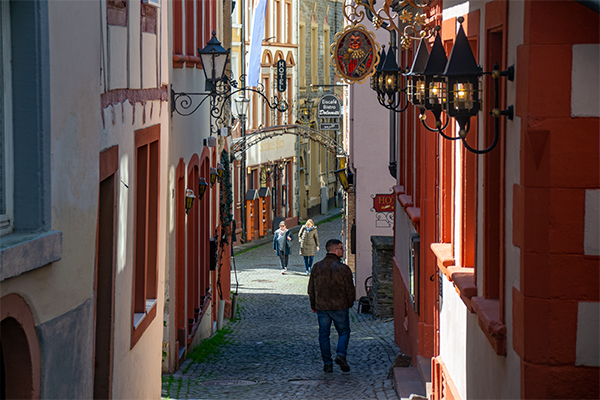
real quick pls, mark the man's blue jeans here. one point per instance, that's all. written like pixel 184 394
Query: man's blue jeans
pixel 341 321
pixel 308 262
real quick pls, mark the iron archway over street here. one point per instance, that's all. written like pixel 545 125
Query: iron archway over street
pixel 244 143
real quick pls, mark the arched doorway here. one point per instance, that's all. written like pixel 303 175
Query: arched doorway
pixel 20 350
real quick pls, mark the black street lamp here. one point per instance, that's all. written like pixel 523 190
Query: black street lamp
pixel 214 59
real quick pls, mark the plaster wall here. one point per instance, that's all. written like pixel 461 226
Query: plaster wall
pixel 134 45
pixel 453 335
pixel 490 375
pixel 117 57
pixel 149 70
pixel 74 174
pixel 584 75
pixel 188 132
pixel 139 362
pixel 481 371
pixel 370 159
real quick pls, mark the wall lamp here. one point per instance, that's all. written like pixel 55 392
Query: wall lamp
pixel 189 200
pixel 345 177
pixel 213 175
pixel 305 111
pixel 386 81
pixel 220 171
pixel 453 86
pixel 219 87
pixel 202 185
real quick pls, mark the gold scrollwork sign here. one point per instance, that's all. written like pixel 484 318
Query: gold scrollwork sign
pixel 355 54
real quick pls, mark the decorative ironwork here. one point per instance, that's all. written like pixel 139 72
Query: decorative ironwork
pixel 244 143
pixel 412 28
pixel 186 104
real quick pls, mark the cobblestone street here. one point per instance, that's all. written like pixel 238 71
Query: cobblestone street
pixel 271 350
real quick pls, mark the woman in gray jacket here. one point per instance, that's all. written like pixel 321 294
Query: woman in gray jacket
pixel 309 238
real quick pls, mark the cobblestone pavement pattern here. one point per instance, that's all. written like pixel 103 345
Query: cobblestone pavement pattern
pixel 273 341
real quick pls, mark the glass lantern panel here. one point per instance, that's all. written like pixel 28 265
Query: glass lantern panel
pixel 436 93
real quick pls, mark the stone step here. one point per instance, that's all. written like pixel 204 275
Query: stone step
pixel 424 367
pixel 407 382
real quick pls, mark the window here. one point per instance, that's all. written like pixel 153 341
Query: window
pixel 145 268
pixel 276 22
pixel 314 54
pixel 268 19
pixel 6 151
pixel 193 24
pixel 288 15
pixel 25 27
pixel 326 66
pixel 302 56
pixel 193 272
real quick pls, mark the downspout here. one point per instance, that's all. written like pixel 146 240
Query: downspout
pixel 243 128
pixel 393 166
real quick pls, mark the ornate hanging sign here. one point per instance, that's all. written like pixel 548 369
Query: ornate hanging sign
pixel 355 54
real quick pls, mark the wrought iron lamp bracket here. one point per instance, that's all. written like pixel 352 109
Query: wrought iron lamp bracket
pixel 183 103
pixel 496 111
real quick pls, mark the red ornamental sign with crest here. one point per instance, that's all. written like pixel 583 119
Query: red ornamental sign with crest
pixel 355 54
pixel 384 202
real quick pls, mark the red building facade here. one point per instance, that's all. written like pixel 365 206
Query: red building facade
pixel 504 298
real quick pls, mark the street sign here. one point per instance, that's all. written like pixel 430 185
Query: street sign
pixel 329 107
pixel 329 126
pixel 281 76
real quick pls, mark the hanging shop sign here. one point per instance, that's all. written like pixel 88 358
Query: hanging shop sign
pixel 281 76
pixel 329 126
pixel 329 107
pixel 384 202
pixel 355 54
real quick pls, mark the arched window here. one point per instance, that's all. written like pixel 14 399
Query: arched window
pixel 19 350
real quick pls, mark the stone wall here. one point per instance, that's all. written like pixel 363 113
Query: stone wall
pixel 383 285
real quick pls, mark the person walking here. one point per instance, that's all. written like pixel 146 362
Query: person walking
pixel 331 292
pixel 309 238
pixel 282 244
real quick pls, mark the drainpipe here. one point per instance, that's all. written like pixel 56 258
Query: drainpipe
pixel 393 163
pixel 243 130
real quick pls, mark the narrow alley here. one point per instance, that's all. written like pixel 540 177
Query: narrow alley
pixel 270 349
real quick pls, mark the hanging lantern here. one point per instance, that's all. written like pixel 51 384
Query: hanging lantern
pixel 213 176
pixel 214 59
pixel 390 76
pixel 189 200
pixel 201 188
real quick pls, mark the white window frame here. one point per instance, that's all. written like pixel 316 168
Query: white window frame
pixel 7 219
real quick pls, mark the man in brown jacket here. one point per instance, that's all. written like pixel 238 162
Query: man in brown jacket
pixel 331 292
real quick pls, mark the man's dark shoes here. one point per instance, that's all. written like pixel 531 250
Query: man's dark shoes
pixel 341 361
pixel 328 368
